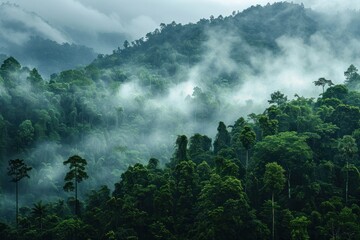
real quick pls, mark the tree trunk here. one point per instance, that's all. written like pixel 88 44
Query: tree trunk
pixel 246 169
pixel 17 204
pixel 273 216
pixel 289 184
pixel 76 201
pixel 347 182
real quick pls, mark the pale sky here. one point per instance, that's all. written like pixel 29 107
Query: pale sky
pixel 135 18
pixel 144 15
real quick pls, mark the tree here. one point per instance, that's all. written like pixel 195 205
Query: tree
pixel 299 228
pixel 274 181
pixel 278 98
pixel 180 151
pixel 222 139
pixel 348 150
pixel 346 117
pixel 9 67
pixel 291 151
pixel 323 82
pixel 352 77
pixel 338 91
pixel 199 149
pixel 268 127
pixel 25 134
pixel 35 78
pixel 224 213
pixel 39 211
pixel 126 44
pixel 185 195
pixel 76 175
pixel 18 170
pixel 247 138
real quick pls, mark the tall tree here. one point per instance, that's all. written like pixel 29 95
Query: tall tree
pixel 274 181
pixel 185 195
pixel 76 175
pixel 222 139
pixel 199 149
pixel 181 148
pixel 180 153
pixel 323 82
pixel 291 151
pixel 18 169
pixel 247 138
pixel 348 150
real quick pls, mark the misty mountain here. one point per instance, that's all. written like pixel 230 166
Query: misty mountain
pixel 241 39
pixel 255 67
pixel 36 43
pixel 257 28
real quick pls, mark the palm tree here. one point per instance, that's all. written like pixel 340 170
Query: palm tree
pixel 38 212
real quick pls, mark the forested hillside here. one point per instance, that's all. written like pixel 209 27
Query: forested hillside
pixel 210 130
pixel 35 42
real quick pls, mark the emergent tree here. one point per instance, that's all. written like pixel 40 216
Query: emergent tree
pixel 76 175
pixel 18 170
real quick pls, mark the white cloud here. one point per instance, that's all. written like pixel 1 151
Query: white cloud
pixel 140 25
pixel 34 25
pixel 134 19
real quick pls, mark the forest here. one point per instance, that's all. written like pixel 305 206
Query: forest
pixel 152 141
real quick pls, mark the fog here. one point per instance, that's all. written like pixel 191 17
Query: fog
pixel 292 70
pixel 104 25
pixel 18 25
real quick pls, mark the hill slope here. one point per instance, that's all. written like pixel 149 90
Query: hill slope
pixel 130 106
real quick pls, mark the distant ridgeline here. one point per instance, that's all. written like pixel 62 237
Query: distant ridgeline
pixel 35 42
pixel 288 172
pixel 49 56
pixel 173 45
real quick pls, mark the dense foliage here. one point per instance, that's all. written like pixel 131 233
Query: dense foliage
pixel 290 172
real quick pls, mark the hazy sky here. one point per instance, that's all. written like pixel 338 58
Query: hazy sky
pixel 137 17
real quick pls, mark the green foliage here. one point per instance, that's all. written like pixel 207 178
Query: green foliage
pixel 299 228
pixel 75 175
pixel 25 134
pixel 268 127
pixel 8 69
pixel 337 91
pixel 222 139
pixel 278 98
pixel 199 148
pixel 346 118
pixel 352 77
pixel 18 169
pixel 77 172
pixel 247 137
pixel 303 151
pixel 323 82
pixel 274 179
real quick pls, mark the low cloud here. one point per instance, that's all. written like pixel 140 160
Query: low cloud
pixel 87 21
pixel 18 25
